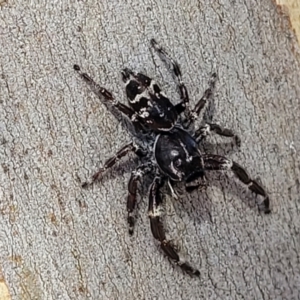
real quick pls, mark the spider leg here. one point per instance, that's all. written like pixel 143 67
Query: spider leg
pixel 184 96
pixel 216 162
pixel 205 130
pixel 195 112
pixel 132 191
pixel 206 96
pixel 155 212
pixel 102 92
pixel 112 161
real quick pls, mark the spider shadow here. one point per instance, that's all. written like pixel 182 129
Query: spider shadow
pixel 198 203
pixel 224 149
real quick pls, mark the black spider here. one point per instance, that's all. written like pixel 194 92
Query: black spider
pixel 167 145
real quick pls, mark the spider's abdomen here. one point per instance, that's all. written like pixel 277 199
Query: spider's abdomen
pixel 153 108
pixel 178 156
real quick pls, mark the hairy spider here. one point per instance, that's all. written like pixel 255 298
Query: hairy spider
pixel 167 146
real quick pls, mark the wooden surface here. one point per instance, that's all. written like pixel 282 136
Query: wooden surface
pixel 292 9
pixel 58 241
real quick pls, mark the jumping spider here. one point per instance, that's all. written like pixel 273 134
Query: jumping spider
pixel 167 145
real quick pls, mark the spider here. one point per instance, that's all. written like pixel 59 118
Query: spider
pixel 167 146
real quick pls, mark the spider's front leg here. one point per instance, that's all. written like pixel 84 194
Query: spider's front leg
pixel 136 176
pixel 205 98
pixel 195 112
pixel 102 92
pixel 155 211
pixel 130 147
pixel 216 162
pixel 184 96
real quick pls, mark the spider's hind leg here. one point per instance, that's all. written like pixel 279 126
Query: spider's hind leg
pixel 158 231
pixel 216 162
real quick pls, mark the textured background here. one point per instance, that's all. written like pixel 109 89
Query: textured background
pixel 292 9
pixel 58 241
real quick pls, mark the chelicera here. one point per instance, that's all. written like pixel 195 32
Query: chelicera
pixel 167 141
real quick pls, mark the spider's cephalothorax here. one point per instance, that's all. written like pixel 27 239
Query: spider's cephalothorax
pixel 152 108
pixel 167 146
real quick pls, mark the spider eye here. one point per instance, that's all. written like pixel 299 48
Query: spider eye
pixel 174 153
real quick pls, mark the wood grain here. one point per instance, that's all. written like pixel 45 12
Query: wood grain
pixel 292 7
pixel 59 241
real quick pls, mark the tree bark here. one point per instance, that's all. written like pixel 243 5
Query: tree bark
pixel 59 241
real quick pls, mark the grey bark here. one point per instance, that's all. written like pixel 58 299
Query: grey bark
pixel 58 241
